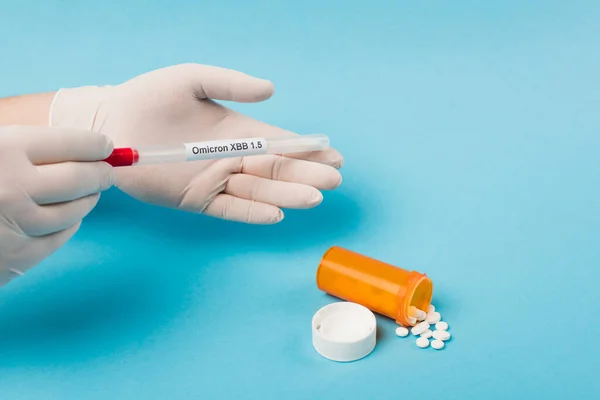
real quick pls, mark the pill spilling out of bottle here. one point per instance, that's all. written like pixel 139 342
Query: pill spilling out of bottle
pixel 429 326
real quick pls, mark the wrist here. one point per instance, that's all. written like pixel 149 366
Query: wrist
pixel 27 110
pixel 79 108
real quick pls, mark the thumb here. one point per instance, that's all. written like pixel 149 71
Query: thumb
pixel 225 84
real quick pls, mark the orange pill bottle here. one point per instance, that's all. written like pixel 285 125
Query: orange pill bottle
pixel 381 287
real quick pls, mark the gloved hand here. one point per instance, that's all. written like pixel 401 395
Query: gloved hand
pixel 173 105
pixel 48 184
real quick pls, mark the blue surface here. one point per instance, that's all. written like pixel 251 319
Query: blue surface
pixel 471 137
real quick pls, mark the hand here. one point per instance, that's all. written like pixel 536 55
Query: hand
pixel 173 105
pixel 48 184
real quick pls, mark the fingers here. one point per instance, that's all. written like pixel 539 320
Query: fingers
pixel 50 243
pixel 329 157
pixel 48 219
pixel 243 126
pixel 57 183
pixel 226 206
pixel 280 194
pixel 45 145
pixel 224 84
pixel 319 176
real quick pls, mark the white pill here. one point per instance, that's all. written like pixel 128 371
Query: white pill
pixel 441 335
pixel 427 334
pixel 441 326
pixel 412 320
pixel 433 317
pixel 437 344
pixel 431 308
pixel 401 331
pixel 419 328
pixel 422 342
pixel 413 311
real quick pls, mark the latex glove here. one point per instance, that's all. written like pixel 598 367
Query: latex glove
pixel 173 105
pixel 48 184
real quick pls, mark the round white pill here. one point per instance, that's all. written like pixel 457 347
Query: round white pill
pixel 401 331
pixel 419 328
pixel 433 317
pixel 431 308
pixel 441 326
pixel 412 320
pixel 437 344
pixel 422 342
pixel 441 335
pixel 427 334
pixel 421 315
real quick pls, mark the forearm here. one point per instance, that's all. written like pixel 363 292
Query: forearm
pixel 33 109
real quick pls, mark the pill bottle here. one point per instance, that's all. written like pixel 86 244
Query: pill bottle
pixel 381 287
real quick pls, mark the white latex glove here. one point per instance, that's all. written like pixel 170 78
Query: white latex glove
pixel 48 184
pixel 173 105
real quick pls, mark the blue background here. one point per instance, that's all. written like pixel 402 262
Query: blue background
pixel 470 133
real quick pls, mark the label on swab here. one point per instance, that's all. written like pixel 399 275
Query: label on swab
pixel 225 148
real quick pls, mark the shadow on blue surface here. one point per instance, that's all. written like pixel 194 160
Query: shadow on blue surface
pixel 338 215
pixel 114 286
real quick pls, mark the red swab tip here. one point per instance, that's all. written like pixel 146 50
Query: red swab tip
pixel 123 157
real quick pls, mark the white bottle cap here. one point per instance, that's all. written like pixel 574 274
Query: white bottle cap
pixel 344 331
